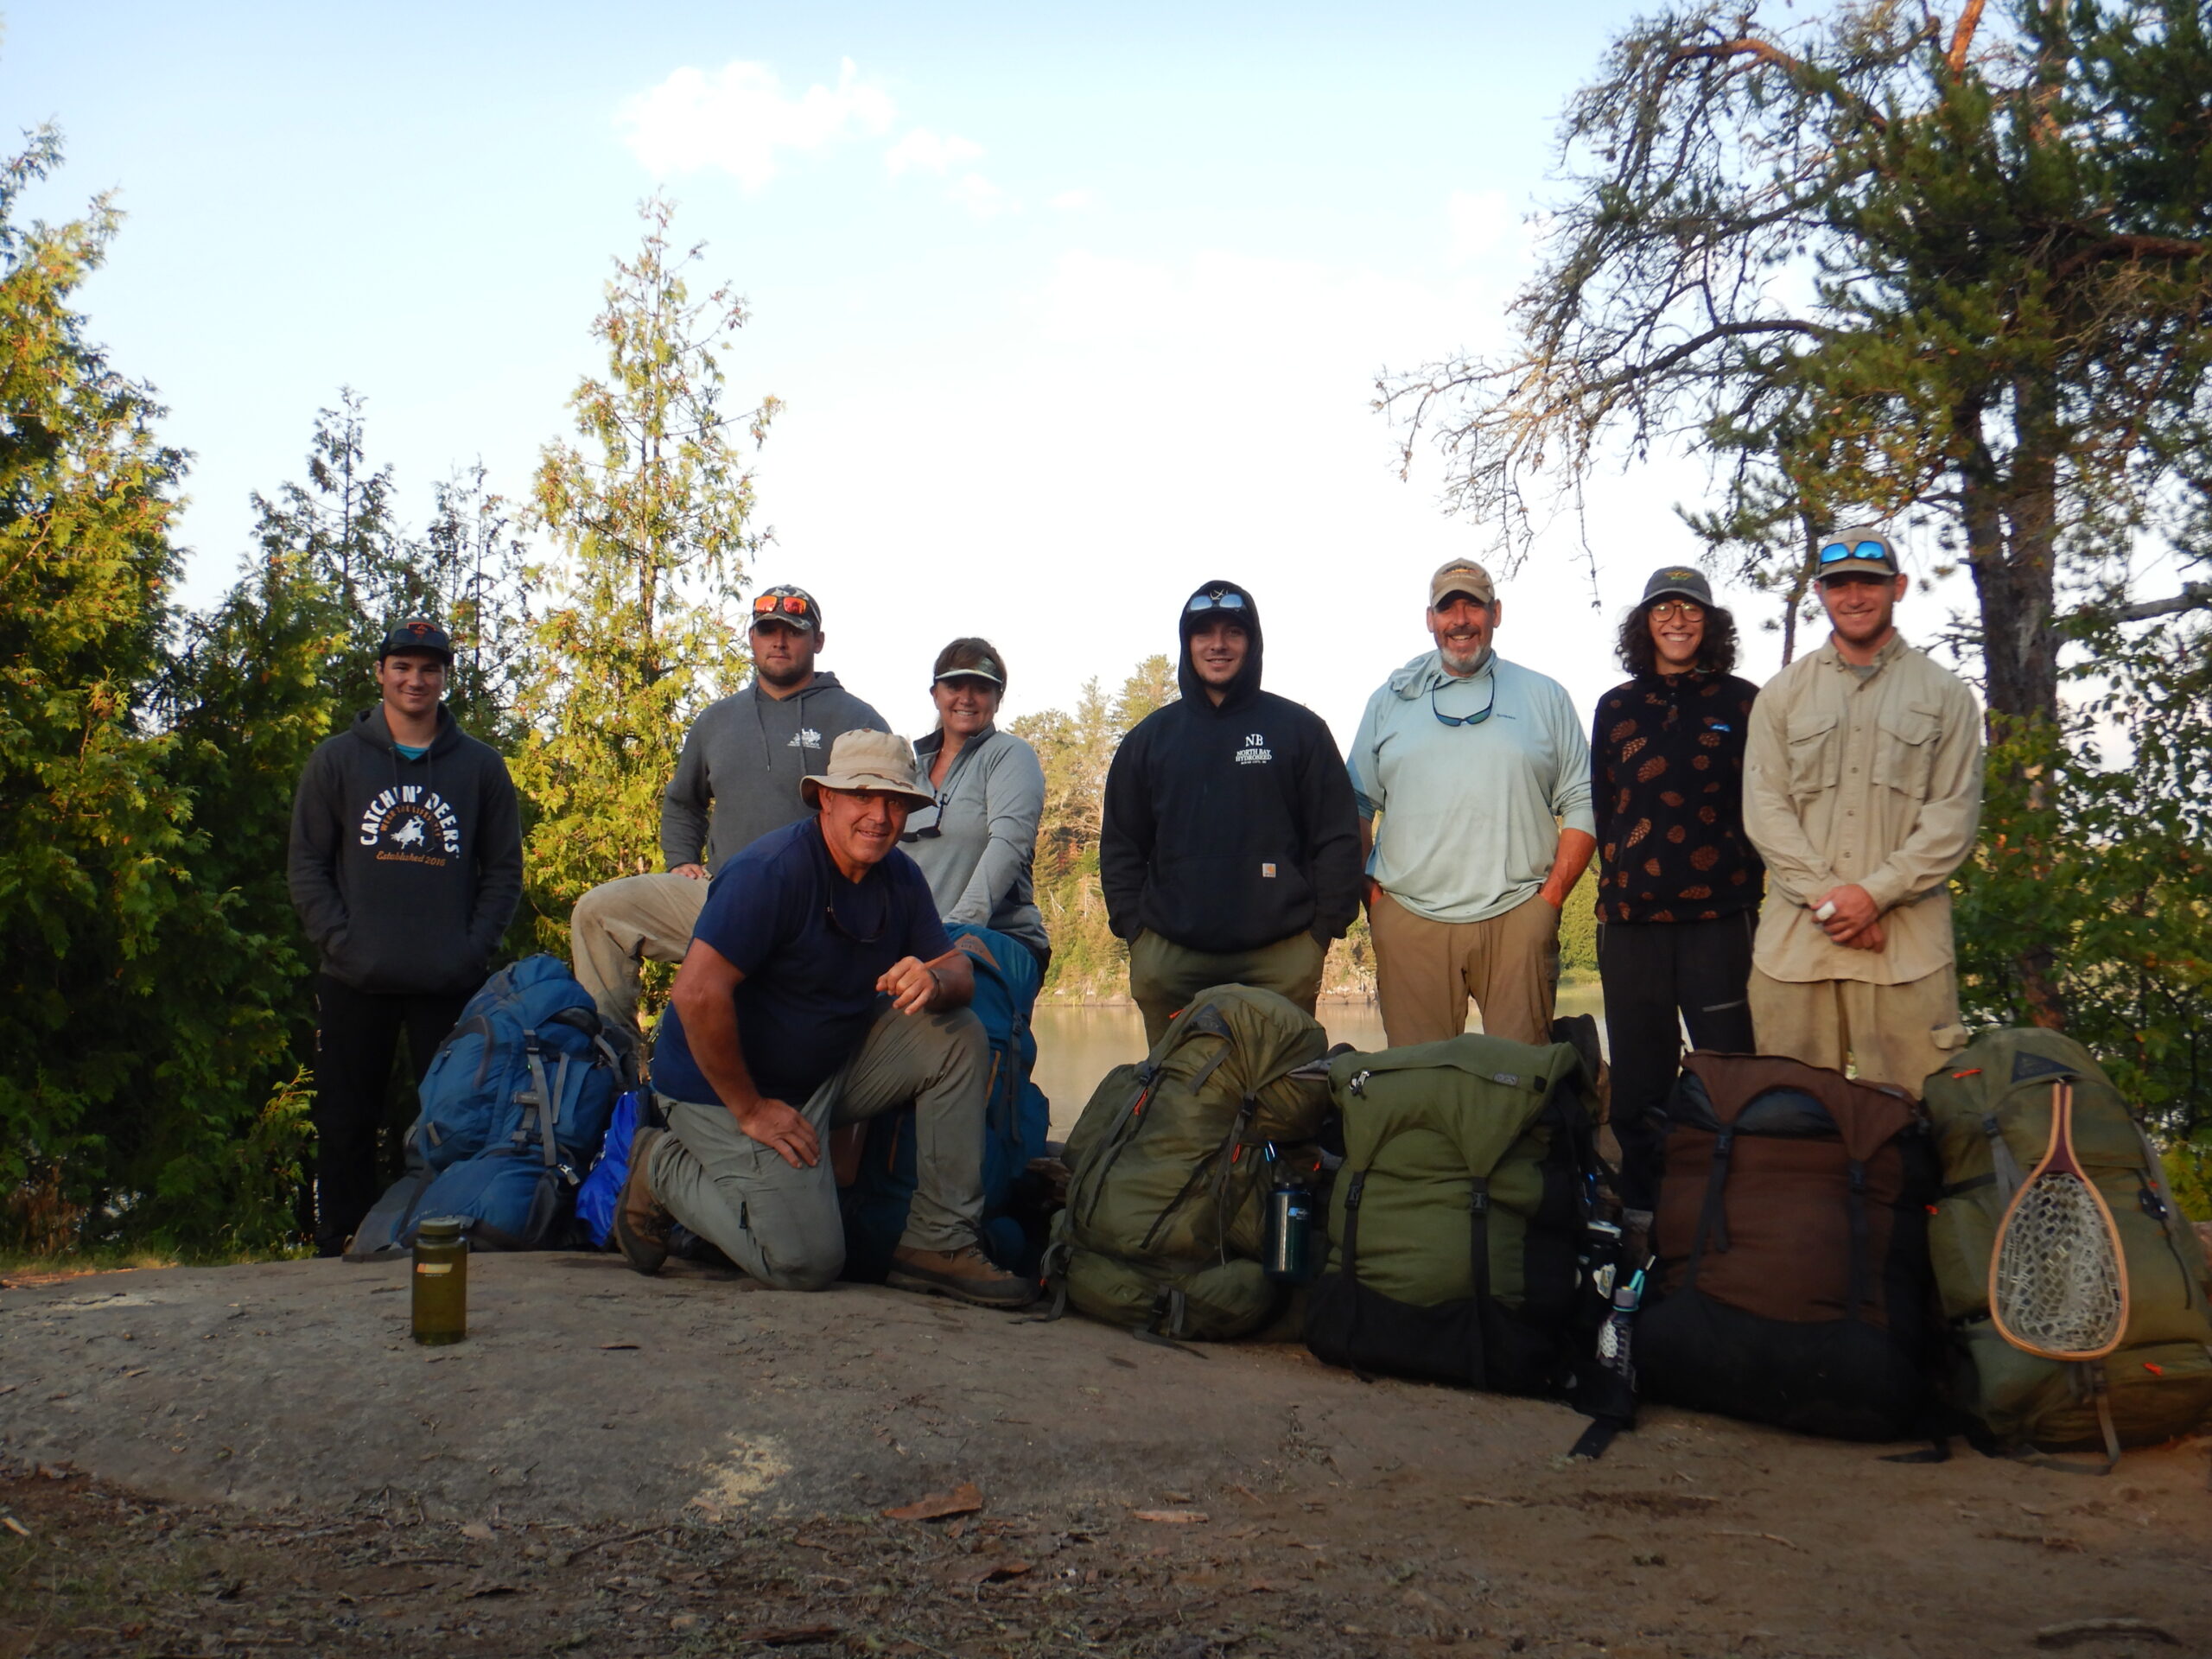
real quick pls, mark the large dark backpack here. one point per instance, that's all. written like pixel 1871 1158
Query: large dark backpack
pixel 1017 1120
pixel 514 1109
pixel 1168 1170
pixel 1792 1232
pixel 1992 1111
pixel 1458 1218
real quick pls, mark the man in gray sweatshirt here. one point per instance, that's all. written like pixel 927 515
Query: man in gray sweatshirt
pixel 736 779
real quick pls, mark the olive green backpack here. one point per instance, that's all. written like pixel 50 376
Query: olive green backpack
pixel 1992 1112
pixel 1459 1222
pixel 1168 1169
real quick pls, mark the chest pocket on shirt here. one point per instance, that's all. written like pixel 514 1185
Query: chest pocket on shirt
pixel 1905 749
pixel 1815 753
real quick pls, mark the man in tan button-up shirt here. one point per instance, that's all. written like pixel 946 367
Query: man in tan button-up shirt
pixel 1862 787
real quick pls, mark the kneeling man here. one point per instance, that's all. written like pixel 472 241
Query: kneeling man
pixel 819 989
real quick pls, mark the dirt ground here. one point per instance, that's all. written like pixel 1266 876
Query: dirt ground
pixel 257 1459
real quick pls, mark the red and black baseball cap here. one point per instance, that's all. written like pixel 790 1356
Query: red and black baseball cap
pixel 786 606
pixel 415 634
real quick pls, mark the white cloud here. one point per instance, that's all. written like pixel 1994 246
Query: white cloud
pixel 740 119
pixel 980 197
pixel 924 151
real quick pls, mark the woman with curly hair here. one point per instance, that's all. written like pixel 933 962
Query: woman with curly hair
pixel 1679 883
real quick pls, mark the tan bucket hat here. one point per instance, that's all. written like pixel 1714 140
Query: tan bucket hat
pixel 878 760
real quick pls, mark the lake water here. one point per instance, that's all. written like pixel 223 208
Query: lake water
pixel 1078 1045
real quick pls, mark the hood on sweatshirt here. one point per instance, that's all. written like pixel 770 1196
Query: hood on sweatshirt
pixel 1246 685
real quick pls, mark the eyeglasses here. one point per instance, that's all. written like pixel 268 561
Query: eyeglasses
pixel 882 921
pixel 1667 609
pixel 1214 603
pixel 922 823
pixel 1475 719
pixel 1877 551
pixel 789 604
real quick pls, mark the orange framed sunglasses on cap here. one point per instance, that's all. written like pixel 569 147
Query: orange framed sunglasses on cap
pixel 780 603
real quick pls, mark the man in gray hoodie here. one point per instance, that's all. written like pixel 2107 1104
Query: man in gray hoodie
pixel 737 779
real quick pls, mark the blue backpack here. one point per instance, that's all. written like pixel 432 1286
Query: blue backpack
pixel 1016 1122
pixel 602 1188
pixel 514 1107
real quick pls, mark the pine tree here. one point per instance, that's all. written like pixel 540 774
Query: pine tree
pixel 653 524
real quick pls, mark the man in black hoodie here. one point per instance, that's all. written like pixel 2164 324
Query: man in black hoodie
pixel 405 866
pixel 737 779
pixel 1230 852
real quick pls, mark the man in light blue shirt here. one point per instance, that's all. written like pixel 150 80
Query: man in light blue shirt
pixel 1479 774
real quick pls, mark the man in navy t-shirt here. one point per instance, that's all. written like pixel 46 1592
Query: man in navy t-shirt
pixel 819 989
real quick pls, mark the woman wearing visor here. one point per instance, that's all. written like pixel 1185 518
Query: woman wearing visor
pixel 977 844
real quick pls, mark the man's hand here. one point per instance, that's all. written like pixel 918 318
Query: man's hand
pixel 1852 915
pixel 1374 894
pixel 774 1124
pixel 910 984
pixel 695 872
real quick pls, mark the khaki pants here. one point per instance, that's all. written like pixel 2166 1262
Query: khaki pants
pixel 618 923
pixel 781 1225
pixel 1890 1033
pixel 1426 971
pixel 1165 976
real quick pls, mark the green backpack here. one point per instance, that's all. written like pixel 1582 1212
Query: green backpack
pixel 1168 1173
pixel 1459 1220
pixel 1992 1111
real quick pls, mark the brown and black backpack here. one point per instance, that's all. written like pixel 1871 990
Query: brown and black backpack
pixel 1793 1285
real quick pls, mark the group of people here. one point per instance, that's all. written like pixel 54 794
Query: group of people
pixel 1773 871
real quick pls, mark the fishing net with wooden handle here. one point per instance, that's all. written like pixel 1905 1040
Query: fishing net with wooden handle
pixel 2057 1282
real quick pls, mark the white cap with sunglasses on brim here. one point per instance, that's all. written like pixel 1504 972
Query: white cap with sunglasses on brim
pixel 882 761
pixel 1866 551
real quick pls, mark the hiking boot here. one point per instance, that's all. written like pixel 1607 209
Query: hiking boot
pixel 641 1221
pixel 967 1274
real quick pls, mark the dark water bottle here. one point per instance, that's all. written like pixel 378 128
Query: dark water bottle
pixel 441 1278
pixel 1290 1232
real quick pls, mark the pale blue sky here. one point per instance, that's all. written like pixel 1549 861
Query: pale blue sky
pixel 1069 309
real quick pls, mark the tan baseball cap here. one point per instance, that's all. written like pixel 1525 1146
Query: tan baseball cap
pixel 878 760
pixel 1461 576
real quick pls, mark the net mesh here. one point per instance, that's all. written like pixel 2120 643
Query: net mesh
pixel 2058 1289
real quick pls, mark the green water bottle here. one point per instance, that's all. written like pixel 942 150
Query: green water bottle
pixel 440 1283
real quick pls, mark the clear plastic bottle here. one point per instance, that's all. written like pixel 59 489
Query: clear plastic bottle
pixel 440 1283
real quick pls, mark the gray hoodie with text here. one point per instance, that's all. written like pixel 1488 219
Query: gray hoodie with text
pixel 738 776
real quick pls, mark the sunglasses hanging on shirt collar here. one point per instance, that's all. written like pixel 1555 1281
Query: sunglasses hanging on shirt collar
pixel 922 823
pixel 1475 719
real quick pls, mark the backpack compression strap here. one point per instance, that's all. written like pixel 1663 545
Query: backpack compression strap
pixel 1711 1221
pixel 1478 1261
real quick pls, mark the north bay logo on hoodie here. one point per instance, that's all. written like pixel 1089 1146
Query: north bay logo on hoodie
pixel 406 820
pixel 805 738
pixel 1254 752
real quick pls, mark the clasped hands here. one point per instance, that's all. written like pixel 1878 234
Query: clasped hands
pixel 1855 922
